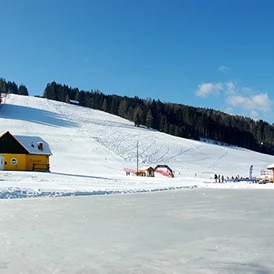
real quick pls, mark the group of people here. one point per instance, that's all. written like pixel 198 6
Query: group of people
pixel 219 179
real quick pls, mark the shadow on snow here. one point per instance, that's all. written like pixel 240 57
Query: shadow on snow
pixel 35 115
pixel 81 176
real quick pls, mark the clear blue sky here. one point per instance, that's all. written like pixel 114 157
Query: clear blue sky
pixel 207 53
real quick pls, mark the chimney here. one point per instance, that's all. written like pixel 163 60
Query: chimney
pixel 40 146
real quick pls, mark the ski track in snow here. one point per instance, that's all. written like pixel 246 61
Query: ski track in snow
pixel 148 151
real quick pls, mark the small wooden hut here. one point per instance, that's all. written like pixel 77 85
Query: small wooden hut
pixel 146 172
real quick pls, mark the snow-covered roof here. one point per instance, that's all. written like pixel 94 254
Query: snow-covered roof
pixel 30 143
pixel 270 166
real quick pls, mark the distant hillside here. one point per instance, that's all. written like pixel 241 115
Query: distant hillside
pixel 174 119
pixel 96 144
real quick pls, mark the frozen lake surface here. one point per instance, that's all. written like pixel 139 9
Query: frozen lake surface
pixel 186 231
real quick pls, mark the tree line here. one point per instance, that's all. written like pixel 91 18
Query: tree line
pixel 174 119
pixel 12 87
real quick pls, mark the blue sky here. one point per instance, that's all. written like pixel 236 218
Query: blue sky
pixel 215 54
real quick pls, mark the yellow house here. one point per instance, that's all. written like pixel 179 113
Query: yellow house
pixel 23 153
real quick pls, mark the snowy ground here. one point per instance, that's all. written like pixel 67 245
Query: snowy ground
pixel 198 227
pixel 91 148
pixel 185 231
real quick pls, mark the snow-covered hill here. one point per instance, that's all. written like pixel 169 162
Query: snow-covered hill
pixel 91 148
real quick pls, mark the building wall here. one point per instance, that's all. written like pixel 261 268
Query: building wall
pixel 146 172
pixel 25 162
pixel 37 162
pixel 14 161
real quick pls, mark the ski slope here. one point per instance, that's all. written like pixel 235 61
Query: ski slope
pixel 91 148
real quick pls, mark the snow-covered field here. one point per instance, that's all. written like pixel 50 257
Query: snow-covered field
pixel 186 224
pixel 91 148
pixel 200 231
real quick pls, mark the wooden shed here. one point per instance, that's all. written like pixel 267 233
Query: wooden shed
pixel 24 153
pixel 146 171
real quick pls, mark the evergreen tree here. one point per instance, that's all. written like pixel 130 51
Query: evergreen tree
pixel 3 86
pixel 122 110
pixel 149 119
pixel 137 116
pixel 50 91
pixel 12 87
pixel 67 100
pixel 77 95
pixel 22 90
pixel 104 106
